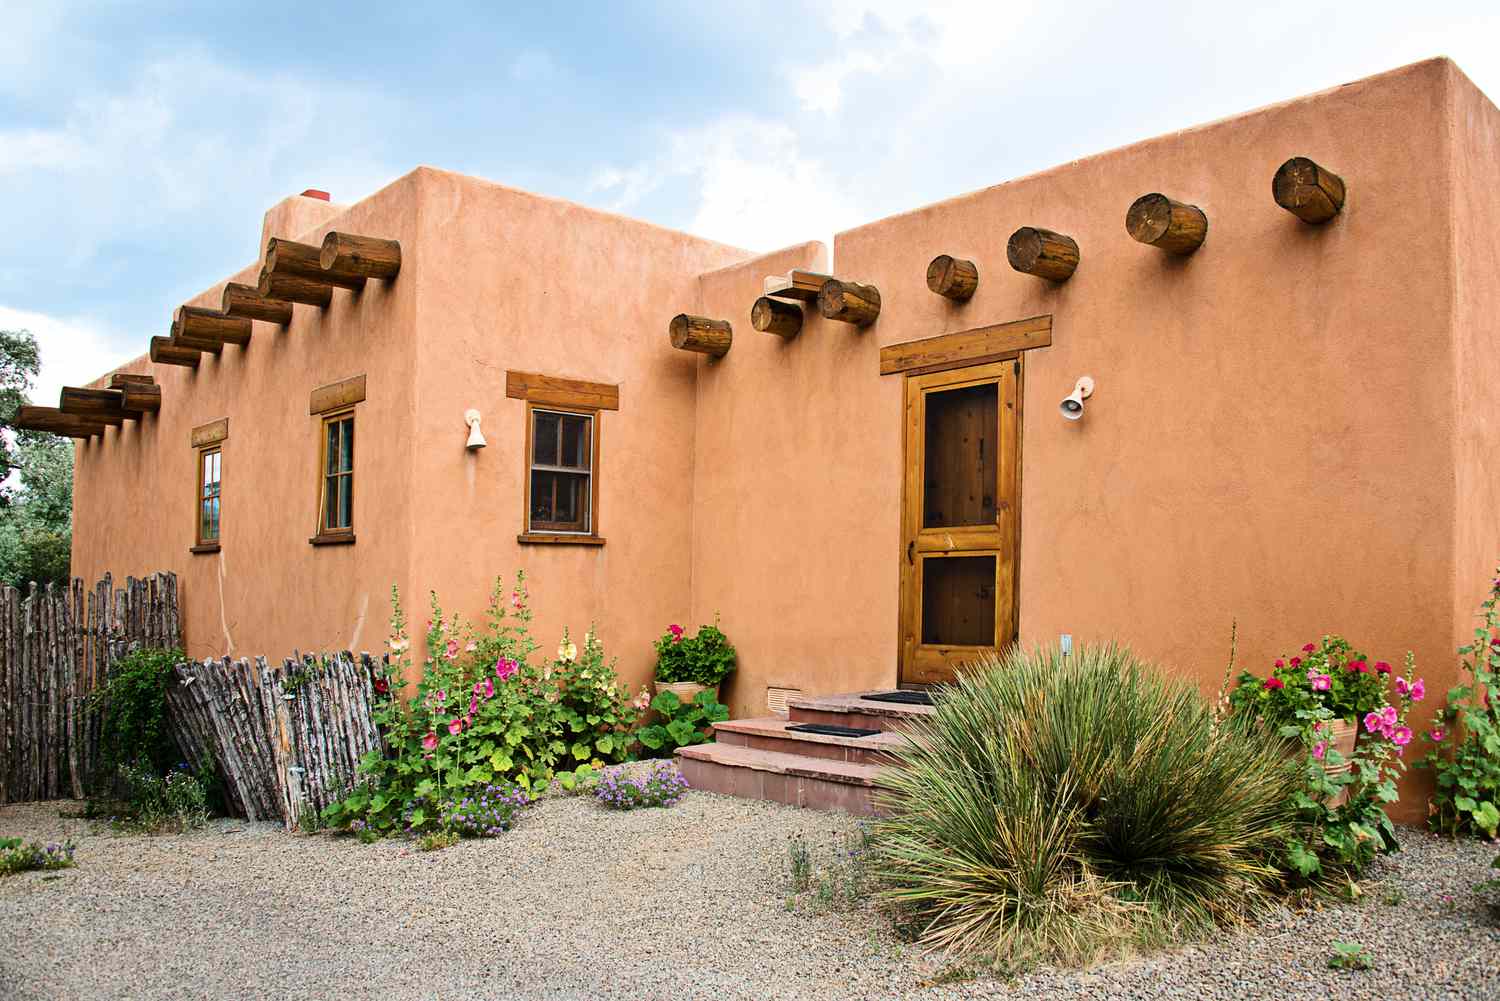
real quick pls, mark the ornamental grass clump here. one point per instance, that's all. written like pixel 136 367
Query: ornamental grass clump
pixel 662 786
pixel 1065 807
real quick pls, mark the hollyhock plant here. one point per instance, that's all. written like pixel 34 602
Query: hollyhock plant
pixel 505 668
pixel 429 741
pixel 1272 684
pixel 455 726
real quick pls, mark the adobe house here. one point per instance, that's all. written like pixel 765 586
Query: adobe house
pixel 856 456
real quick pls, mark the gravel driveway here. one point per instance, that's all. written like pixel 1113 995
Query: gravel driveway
pixel 580 902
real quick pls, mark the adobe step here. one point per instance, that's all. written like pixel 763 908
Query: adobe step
pixel 772 733
pixel 853 710
pixel 793 779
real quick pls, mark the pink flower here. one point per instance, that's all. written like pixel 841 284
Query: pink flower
pixel 489 688
pixel 1321 683
pixel 515 599
pixel 1401 686
pixel 452 652
pixel 471 647
pixel 1418 690
pixel 455 725
pixel 1319 749
pixel 1280 662
pixel 1437 734
pixel 1389 715
pixel 473 706
pixel 1373 722
pixel 1309 648
pixel 1381 667
pixel 1401 736
pixel 505 667
pixel 1296 661
pixel 1273 683
pixel 1359 667
pixel 429 742
pixel 676 632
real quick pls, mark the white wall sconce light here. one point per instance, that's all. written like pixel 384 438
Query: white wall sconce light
pixel 1072 406
pixel 476 437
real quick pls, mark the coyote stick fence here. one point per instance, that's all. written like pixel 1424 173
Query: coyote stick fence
pixel 57 646
pixel 287 739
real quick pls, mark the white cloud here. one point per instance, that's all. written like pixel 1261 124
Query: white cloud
pixel 74 350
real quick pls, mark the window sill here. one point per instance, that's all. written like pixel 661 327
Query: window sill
pixel 558 539
pixel 335 539
pixel 204 547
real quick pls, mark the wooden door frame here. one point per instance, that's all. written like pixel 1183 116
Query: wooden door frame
pixel 918 663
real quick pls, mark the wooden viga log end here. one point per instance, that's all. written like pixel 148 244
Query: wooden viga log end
pixel 294 288
pixel 849 302
pixel 303 260
pixel 246 301
pixel 360 256
pixel 164 352
pixel 210 324
pixel 701 334
pixel 774 316
pixel 1168 225
pixel 1032 250
pixel 953 277
pixel 1310 192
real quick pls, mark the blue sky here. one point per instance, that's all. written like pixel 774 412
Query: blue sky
pixel 141 142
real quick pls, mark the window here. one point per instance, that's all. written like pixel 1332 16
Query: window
pixel 561 499
pixel 336 496
pixel 209 503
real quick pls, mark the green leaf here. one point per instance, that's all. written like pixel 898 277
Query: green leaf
pixel 1303 860
pixel 582 751
pixel 605 744
pixel 378 803
pixel 653 737
pixel 418 817
pixel 424 788
pixel 480 775
pixel 682 732
pixel 501 762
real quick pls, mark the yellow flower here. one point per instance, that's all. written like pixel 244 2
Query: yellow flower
pixel 568 651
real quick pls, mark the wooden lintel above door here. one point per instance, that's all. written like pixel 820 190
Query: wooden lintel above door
pixel 966 347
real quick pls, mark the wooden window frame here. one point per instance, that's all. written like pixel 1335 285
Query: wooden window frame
pixel 200 543
pixel 592 536
pixel 326 536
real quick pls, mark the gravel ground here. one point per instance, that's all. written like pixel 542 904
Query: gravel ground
pixel 580 902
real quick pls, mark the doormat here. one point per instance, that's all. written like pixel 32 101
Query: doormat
pixel 903 697
pixel 829 730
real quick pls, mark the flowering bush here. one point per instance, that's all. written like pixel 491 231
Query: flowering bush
pixel 1465 756
pixel 16 856
pixel 681 724
pixel 486 812
pixel 176 801
pixel 483 715
pixel 662 786
pixel 1329 674
pixel 704 659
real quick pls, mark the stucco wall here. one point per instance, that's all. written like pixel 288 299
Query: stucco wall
pixel 267 590
pixel 1476 332
pixel 516 281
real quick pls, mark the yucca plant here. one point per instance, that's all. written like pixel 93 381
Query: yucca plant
pixel 1061 807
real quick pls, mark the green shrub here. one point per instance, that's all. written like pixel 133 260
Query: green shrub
pixel 132 705
pixel 681 724
pixel 16 856
pixel 704 659
pixel 483 716
pixel 1063 807
pixel 1465 760
pixel 156 804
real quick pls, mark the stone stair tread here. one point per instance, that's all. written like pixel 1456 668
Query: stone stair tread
pixel 782 763
pixel 855 703
pixel 776 726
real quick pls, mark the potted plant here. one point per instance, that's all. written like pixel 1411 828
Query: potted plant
pixel 687 665
pixel 1330 675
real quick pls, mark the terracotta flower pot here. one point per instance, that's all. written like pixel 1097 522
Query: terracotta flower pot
pixel 1342 737
pixel 685 691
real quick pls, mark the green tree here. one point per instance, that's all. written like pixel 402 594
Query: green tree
pixel 36 478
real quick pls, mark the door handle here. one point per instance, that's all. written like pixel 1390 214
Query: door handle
pixel 911 548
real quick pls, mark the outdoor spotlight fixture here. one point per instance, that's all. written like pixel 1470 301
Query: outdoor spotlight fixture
pixel 1072 406
pixel 476 436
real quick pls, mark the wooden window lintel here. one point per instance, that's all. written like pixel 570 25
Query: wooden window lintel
pixel 337 395
pixel 560 392
pixel 966 347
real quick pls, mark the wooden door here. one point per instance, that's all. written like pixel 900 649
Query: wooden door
pixel 960 518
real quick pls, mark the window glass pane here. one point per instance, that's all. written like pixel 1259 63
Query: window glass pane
pixel 346 501
pixel 544 438
pixel 203 522
pixel 559 501
pixel 575 442
pixel 958 600
pixel 331 502
pixel 214 517
pixel 346 452
pixel 331 449
pixel 961 457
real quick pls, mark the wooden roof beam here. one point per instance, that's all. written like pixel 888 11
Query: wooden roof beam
pixel 29 418
pixel 802 286
pixel 246 301
pixel 102 406
pixel 120 380
pixel 140 398
pixel 701 334
pixel 164 352
pixel 212 325
pixel 303 260
pixel 363 256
